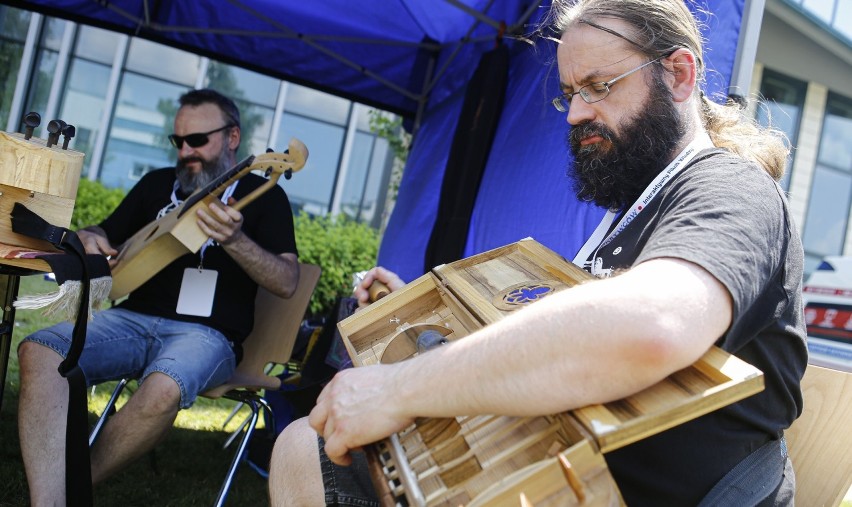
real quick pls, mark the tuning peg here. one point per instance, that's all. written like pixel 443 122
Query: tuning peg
pixel 67 133
pixel 54 128
pixel 31 121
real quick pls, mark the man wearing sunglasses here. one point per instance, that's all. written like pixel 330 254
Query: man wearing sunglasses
pixel 180 332
pixel 698 248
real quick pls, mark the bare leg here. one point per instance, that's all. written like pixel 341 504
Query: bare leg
pixel 295 477
pixel 42 413
pixel 135 429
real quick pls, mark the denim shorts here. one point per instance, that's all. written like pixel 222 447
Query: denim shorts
pixel 348 486
pixel 125 344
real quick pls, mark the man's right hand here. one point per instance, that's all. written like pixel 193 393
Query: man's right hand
pixel 387 277
pixel 95 242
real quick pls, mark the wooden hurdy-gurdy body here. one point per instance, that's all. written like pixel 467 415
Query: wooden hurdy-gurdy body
pixel 496 460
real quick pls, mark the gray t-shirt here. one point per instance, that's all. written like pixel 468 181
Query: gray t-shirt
pixel 731 218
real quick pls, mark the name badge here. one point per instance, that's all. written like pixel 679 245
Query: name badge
pixel 196 292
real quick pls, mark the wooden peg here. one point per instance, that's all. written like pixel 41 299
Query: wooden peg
pixel 377 291
pixel 31 121
pixel 68 132
pixel 54 128
pixel 571 476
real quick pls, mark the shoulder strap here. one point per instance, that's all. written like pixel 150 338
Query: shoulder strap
pixel 78 469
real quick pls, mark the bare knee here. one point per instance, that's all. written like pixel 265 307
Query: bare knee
pixel 294 471
pixel 158 395
pixel 33 357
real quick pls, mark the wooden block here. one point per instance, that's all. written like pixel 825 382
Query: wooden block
pixel 31 165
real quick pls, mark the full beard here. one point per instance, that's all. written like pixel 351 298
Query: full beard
pixel 210 170
pixel 614 176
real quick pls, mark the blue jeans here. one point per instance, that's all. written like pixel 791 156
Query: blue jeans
pixel 125 344
pixel 349 486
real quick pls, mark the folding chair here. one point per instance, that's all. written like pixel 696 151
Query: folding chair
pixel 820 442
pixel 276 326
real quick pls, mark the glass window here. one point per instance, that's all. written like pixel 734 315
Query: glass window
pixel 83 103
pixel 783 99
pixel 311 189
pixel 96 44
pixel 144 116
pixel 255 127
pixel 824 231
pixel 843 19
pixel 51 33
pixel 317 104
pixel 14 23
pixel 163 62
pixel 39 91
pixel 10 63
pixel 244 84
pixel 822 9
pixel 836 142
pixel 364 189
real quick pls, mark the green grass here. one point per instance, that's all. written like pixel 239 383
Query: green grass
pixel 186 469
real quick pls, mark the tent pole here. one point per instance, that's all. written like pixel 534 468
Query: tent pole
pixel 746 49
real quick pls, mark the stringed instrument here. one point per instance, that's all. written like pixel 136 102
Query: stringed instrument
pixel 175 234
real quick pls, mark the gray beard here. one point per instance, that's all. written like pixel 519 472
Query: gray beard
pixel 210 170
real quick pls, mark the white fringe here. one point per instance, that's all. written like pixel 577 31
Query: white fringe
pixel 66 301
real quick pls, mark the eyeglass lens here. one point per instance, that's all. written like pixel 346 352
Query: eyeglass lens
pixel 196 140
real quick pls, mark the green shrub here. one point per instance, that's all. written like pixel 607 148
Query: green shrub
pixel 341 247
pixel 94 203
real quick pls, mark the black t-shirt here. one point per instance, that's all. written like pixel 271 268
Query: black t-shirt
pixel 729 217
pixel 268 221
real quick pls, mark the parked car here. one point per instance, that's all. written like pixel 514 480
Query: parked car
pixel 828 313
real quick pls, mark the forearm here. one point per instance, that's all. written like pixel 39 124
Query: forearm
pixel 567 351
pixel 278 274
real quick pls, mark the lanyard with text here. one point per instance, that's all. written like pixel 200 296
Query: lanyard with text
pixel 596 241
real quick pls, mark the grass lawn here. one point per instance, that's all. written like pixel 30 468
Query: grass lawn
pixel 187 468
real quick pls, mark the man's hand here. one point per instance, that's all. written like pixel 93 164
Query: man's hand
pixel 355 409
pixel 387 277
pixel 222 223
pixel 95 242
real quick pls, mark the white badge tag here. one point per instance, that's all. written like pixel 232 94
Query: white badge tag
pixel 196 292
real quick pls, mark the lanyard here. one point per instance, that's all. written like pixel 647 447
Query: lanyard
pixel 597 241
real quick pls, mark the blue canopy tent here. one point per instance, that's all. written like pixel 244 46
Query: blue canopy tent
pixel 414 58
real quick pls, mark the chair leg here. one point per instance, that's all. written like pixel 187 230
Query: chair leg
pixel 109 409
pixel 241 449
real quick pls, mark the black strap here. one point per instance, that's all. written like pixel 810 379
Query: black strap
pixel 78 468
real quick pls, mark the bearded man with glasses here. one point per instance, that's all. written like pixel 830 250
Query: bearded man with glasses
pixel 175 350
pixel 698 247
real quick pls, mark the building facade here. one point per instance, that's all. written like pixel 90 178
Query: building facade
pixel 803 78
pixel 121 93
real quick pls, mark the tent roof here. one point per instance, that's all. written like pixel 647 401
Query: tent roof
pixel 411 50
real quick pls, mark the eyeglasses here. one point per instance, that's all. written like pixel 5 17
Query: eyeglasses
pixel 594 92
pixel 196 140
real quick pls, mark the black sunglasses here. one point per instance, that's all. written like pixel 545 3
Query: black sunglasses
pixel 195 140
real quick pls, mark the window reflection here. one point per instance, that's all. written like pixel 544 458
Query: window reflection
pixel 96 44
pixel 783 99
pixel 162 61
pixel 144 116
pixel 14 23
pixel 317 104
pixel 827 217
pixel 83 105
pixel 311 189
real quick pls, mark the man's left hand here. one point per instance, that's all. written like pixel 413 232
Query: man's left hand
pixel 221 223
